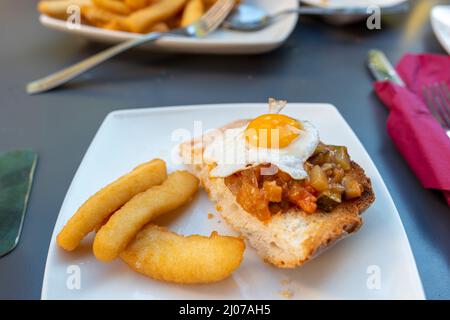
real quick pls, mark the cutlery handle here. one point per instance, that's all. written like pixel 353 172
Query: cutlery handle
pixel 58 78
pixel 381 68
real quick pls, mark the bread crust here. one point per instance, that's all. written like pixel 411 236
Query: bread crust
pixel 288 239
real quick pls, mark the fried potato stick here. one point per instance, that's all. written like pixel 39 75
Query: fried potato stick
pixel 114 6
pixel 159 27
pixel 99 17
pixel 136 4
pixel 164 255
pixel 106 201
pixel 124 224
pixel 143 19
pixel 58 9
pixel 193 11
pixel 114 25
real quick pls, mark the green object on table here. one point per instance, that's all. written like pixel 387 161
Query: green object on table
pixel 16 178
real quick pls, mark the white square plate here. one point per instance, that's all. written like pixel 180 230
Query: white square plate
pixel 219 42
pixel 375 263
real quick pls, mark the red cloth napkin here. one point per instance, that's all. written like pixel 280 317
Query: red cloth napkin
pixel 416 133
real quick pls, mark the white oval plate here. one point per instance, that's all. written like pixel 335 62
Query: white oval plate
pixel 352 3
pixel 375 263
pixel 440 21
pixel 346 19
pixel 219 42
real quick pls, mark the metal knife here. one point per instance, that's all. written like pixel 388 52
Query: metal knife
pixel 382 69
pixel 16 177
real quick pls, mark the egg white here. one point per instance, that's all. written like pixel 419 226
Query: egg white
pixel 230 153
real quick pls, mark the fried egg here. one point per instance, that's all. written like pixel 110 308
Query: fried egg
pixel 268 139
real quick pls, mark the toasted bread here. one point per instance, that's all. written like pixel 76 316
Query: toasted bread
pixel 289 239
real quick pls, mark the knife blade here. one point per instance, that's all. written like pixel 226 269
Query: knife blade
pixel 382 69
pixel 16 177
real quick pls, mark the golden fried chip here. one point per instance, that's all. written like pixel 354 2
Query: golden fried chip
pixel 136 4
pixel 159 27
pixel 143 19
pixel 101 224
pixel 193 11
pixel 164 255
pixel 114 6
pixel 124 224
pixel 114 25
pixel 100 17
pixel 102 204
pixel 58 9
pixel 174 22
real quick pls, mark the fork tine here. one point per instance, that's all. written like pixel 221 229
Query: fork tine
pixel 219 6
pixel 446 90
pixel 428 97
pixel 214 16
pixel 440 102
pixel 445 93
pixel 215 8
pixel 217 18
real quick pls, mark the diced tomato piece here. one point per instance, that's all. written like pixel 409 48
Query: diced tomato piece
pixel 302 198
pixel 253 200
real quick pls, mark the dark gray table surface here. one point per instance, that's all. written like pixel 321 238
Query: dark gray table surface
pixel 318 63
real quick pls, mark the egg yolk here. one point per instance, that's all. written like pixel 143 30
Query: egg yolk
pixel 272 131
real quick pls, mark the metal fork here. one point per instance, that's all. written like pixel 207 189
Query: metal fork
pixel 437 98
pixel 207 23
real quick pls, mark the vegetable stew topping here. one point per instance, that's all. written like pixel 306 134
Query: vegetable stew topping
pixel 329 182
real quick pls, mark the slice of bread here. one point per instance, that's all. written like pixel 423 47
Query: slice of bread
pixel 289 239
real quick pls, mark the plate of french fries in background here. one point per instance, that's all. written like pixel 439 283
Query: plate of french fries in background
pixel 114 21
